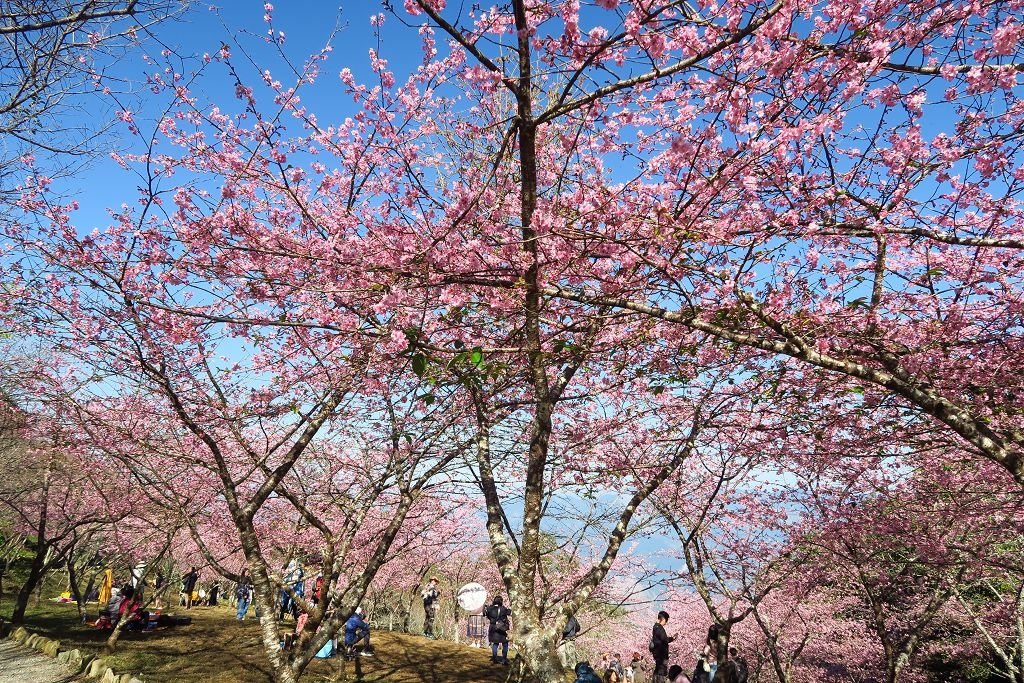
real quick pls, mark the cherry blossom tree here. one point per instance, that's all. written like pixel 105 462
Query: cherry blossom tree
pixel 993 606
pixel 825 183
pixel 57 498
pixel 582 240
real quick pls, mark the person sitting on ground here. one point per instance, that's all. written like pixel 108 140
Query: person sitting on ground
pixel 130 610
pixel 113 608
pixel 110 612
pixel 357 631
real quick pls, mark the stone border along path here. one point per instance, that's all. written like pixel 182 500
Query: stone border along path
pixel 19 664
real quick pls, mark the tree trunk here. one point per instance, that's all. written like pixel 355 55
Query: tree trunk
pixel 41 583
pixel 73 588
pixel 111 644
pixel 3 572
pixel 722 642
pixel 895 667
pixel 537 658
pixel 31 582
pixel 266 599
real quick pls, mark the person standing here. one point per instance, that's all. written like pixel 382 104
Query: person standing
pixel 497 633
pixel 318 587
pixel 660 640
pixel 158 589
pixel 295 577
pixel 567 647
pixel 740 664
pixel 137 583
pixel 106 587
pixel 188 585
pixel 639 667
pixel 243 594
pixel 299 587
pixel 430 604
pixel 617 666
pixel 211 596
pixel 476 630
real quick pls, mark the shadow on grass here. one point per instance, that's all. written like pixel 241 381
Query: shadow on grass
pixel 217 648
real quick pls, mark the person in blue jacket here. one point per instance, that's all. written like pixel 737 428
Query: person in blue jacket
pixel 357 631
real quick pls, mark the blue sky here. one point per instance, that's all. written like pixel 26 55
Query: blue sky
pixel 307 24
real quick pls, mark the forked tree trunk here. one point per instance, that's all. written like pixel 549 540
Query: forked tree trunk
pixel 266 602
pixel 537 658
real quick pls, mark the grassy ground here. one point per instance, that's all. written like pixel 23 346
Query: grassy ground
pixel 215 647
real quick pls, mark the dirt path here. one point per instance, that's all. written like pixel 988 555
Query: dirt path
pixel 19 664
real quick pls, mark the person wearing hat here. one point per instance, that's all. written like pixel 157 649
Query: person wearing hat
pixel 357 631
pixel 497 633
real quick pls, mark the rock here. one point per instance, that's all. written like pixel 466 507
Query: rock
pixel 97 668
pixel 83 660
pixel 52 648
pixel 62 657
pixel 133 679
pixel 30 640
pixel 19 634
pixel 109 677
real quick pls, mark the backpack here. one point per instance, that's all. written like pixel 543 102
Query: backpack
pixel 499 617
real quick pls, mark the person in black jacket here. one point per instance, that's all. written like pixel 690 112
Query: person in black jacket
pixel 659 648
pixel 567 646
pixel 188 586
pixel 497 633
